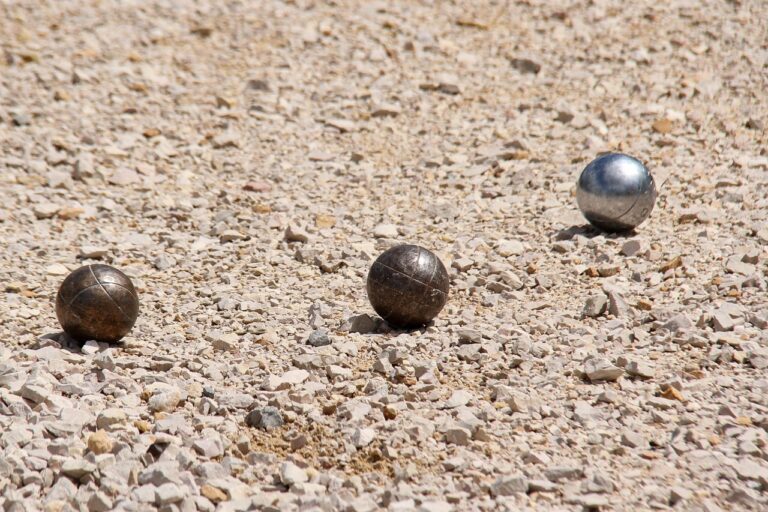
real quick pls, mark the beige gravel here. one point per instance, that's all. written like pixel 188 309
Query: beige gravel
pixel 244 162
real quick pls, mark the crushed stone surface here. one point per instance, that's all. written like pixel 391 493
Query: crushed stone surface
pixel 244 163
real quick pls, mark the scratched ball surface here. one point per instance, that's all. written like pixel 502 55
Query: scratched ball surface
pixel 97 302
pixel 407 286
pixel 616 192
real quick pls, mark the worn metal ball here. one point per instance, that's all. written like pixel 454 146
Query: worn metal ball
pixel 616 192
pixel 97 302
pixel 407 286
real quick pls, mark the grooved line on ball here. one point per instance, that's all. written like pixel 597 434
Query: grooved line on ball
pixel 126 289
pixel 90 267
pixel 632 206
pixel 89 287
pixel 637 199
pixel 80 293
pixel 434 267
pixel 410 277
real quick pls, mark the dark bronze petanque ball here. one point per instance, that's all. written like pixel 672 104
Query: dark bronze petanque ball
pixel 407 286
pixel 97 302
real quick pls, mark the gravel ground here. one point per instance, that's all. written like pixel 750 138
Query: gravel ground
pixel 245 161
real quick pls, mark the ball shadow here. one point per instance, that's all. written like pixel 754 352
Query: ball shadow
pixel 60 339
pixel 589 231
pixel 381 327
pixel 386 328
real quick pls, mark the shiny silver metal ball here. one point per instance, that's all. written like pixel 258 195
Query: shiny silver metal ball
pixel 615 192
